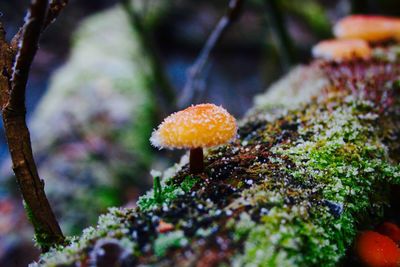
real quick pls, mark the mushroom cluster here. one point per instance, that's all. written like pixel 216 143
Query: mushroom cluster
pixel 353 35
pixel 194 128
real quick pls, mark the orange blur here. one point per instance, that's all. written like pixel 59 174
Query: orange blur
pixel 368 28
pixel 376 250
pixel 341 49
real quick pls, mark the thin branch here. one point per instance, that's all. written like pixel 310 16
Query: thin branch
pixel 55 8
pixel 6 59
pixel 285 45
pixel 162 86
pixel 13 82
pixel 194 74
pixel 26 52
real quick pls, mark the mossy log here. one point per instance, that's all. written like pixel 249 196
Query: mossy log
pixel 314 163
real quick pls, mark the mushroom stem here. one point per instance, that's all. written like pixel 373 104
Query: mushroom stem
pixel 196 160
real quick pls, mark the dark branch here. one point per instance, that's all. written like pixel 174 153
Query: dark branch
pixel 55 8
pixel 158 80
pixel 2 33
pixel 6 58
pixel 194 75
pixel 16 40
pixel 15 62
pixel 27 48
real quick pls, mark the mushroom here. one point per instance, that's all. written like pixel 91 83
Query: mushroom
pixel 368 28
pixel 196 127
pixel 374 249
pixel 342 49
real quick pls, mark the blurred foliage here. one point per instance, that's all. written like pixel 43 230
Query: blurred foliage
pixel 312 13
pixel 103 109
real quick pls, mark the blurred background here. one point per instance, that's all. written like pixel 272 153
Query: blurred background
pixel 107 73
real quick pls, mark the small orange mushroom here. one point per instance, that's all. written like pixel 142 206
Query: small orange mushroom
pixel 199 126
pixel 369 28
pixel 342 49
pixel 376 250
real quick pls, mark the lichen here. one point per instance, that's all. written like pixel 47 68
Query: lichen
pixel 293 190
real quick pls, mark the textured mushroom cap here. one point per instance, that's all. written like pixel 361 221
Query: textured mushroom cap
pixel 342 49
pixel 203 125
pixel 369 28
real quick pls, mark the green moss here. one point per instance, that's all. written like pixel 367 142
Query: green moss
pixel 293 190
pixel 167 241
pixel 347 162
pixel 165 194
pixel 40 238
pixel 111 225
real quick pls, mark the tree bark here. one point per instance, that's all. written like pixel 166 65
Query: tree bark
pixel 15 62
pixel 47 230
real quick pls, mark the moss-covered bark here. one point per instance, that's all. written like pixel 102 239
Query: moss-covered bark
pixel 313 163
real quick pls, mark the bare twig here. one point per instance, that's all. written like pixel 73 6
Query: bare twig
pixel 284 42
pixel 6 59
pixel 54 10
pixel 25 54
pixel 158 81
pixel 13 82
pixel 194 75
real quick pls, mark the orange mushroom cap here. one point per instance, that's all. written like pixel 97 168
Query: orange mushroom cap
pixel 342 49
pixel 376 250
pixel 369 28
pixel 204 125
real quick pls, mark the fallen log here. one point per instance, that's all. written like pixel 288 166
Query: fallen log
pixel 314 163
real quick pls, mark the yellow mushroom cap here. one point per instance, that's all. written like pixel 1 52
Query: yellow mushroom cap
pixel 369 28
pixel 341 49
pixel 204 125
